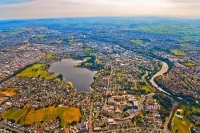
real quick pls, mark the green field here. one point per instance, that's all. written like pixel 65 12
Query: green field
pixel 70 84
pixel 121 74
pixel 189 46
pixel 188 33
pixel 66 114
pixel 15 51
pixel 70 41
pixel 87 58
pixel 8 91
pixel 172 28
pixel 181 125
pixel 37 70
pixel 195 109
pixel 22 116
pixel 2 35
pixel 188 64
pixel 178 52
pixel 188 39
pixel 88 49
pixel 40 36
pixel 146 88
pixel 49 56
pixel 16 32
pixel 198 48
pixel 137 41
pixel 15 114
pixel 138 119
pixel 59 41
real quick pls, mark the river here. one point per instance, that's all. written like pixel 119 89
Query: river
pixel 163 70
pixel 81 78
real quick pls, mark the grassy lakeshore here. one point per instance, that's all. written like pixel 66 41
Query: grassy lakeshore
pixel 37 70
pixel 49 56
pixel 70 84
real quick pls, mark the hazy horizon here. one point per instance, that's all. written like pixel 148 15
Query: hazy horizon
pixel 31 9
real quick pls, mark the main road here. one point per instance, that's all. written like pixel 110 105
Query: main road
pixel 166 130
pixel 107 90
pixel 90 118
pixel 128 130
pixel 11 128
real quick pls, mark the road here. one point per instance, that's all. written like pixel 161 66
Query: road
pixel 166 130
pixel 90 118
pixel 108 83
pixel 134 128
pixel 11 128
pixel 107 88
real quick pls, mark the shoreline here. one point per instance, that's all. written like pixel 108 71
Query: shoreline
pixel 91 89
pixel 71 83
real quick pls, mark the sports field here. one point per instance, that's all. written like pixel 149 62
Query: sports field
pixel 181 125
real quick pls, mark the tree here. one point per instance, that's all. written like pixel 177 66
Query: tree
pixel 60 76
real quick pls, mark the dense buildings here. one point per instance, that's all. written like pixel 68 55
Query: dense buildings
pixel 125 53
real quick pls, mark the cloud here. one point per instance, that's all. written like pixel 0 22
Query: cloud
pixel 185 1
pixel 70 8
pixel 6 2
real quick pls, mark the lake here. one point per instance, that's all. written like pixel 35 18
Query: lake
pixel 81 78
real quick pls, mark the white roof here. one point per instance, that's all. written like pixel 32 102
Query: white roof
pixel 110 120
pixel 8 103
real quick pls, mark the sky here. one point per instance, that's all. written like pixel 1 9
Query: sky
pixel 26 9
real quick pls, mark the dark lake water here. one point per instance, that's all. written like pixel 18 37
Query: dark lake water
pixel 80 77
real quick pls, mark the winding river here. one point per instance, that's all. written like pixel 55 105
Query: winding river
pixel 161 72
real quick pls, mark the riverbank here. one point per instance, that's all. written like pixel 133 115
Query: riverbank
pixel 163 70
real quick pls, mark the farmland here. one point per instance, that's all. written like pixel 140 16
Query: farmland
pixel 24 116
pixel 177 52
pixel 137 41
pixel 8 91
pixel 189 46
pixel 39 36
pixel 16 115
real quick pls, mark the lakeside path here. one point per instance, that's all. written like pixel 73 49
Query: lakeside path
pixel 163 70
